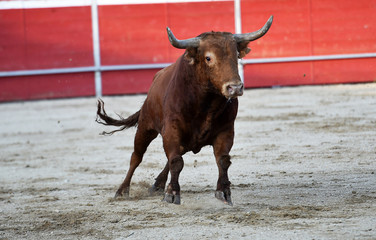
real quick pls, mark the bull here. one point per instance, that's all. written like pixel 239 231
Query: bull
pixel 191 103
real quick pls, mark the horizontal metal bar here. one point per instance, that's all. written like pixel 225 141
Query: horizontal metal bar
pixel 84 69
pixel 28 4
pixel 163 65
pixel 46 71
pixel 308 58
pixel 121 2
pixel 134 67
pixel 22 4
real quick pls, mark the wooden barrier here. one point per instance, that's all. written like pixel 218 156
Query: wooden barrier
pixel 56 36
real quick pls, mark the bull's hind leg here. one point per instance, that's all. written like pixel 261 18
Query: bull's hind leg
pixel 142 140
pixel 222 147
pixel 160 181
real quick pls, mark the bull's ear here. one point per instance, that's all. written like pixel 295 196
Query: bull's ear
pixel 243 49
pixel 190 55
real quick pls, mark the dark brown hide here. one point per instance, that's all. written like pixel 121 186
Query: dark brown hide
pixel 191 103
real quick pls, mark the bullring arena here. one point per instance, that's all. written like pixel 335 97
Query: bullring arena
pixel 303 160
pixel 303 167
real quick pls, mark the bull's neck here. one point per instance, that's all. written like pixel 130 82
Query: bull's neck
pixel 193 80
pixel 197 90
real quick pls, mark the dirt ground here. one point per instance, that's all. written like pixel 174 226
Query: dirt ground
pixel 303 168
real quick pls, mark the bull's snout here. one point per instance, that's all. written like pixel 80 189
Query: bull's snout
pixel 233 90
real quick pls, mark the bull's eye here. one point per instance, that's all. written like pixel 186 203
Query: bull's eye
pixel 208 59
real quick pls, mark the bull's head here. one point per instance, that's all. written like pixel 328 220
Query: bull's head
pixel 216 54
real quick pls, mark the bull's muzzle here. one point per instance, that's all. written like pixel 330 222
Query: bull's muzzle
pixel 233 90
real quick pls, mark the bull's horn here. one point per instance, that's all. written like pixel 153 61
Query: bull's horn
pixel 254 35
pixel 182 44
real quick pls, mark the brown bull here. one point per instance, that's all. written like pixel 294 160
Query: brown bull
pixel 191 103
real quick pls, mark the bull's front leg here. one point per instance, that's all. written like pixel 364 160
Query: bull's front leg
pixel 171 145
pixel 172 194
pixel 222 146
pixel 223 191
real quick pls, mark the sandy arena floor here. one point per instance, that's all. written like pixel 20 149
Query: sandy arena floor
pixel 303 168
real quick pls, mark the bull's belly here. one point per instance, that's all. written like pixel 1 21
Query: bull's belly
pixel 198 142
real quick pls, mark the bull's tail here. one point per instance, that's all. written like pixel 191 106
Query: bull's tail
pixel 123 123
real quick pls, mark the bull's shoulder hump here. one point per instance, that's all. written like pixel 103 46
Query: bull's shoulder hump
pixel 164 72
pixel 160 81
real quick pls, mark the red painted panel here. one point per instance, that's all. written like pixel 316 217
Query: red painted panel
pixel 277 74
pixel 289 34
pixel 343 26
pixel 47 86
pixel 188 20
pixel 125 82
pixel 199 17
pixel 315 72
pixel 12 40
pixel 45 38
pixel 345 71
pixel 133 34
pixel 58 37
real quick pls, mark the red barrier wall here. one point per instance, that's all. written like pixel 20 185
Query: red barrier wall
pixel 47 86
pixel 136 34
pixel 45 38
pixel 42 39
pixel 61 37
pixel 311 28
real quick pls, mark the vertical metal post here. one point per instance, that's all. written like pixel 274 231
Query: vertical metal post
pixel 238 29
pixel 238 20
pixel 96 48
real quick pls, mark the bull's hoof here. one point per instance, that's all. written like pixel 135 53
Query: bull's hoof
pixel 119 194
pixel 172 198
pixel 154 190
pixel 224 197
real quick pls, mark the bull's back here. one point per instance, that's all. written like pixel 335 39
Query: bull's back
pixel 152 110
